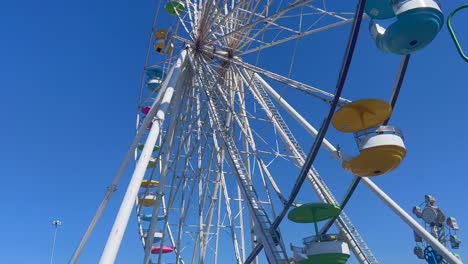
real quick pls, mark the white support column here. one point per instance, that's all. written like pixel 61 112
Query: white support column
pixel 111 189
pixel 118 229
pixel 169 140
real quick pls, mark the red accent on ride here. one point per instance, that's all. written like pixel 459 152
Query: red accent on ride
pixel 165 249
pixel 145 110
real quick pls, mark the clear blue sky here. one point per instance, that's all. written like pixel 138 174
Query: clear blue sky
pixel 69 76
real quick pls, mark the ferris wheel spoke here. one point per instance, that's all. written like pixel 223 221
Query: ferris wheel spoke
pixel 204 232
pixel 181 143
pixel 230 219
pixel 183 209
pixel 246 132
pixel 333 14
pixel 259 32
pixel 202 195
pixel 219 153
pixel 202 191
pixel 222 185
pixel 175 186
pixel 248 140
pixel 262 165
pixel 257 211
pixel 245 19
pixel 184 26
pixel 263 168
pixel 326 96
pixel 222 21
pixel 189 154
pixel 273 17
pixel 168 227
pixel 297 36
pixel 191 12
pixel 183 179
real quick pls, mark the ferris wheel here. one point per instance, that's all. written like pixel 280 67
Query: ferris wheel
pixel 219 148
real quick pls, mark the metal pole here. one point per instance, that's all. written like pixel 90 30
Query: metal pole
pixel 56 223
pixel 53 247
pixel 448 256
pixel 113 187
pixel 170 137
pixel 115 237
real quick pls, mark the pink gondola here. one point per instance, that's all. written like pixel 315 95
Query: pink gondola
pixel 145 110
pixel 165 249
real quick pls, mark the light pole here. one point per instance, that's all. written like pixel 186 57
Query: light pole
pixel 55 223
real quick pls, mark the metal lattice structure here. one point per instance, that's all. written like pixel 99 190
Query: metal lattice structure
pixel 224 135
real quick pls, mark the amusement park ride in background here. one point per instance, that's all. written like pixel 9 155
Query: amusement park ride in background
pixel 199 139
pixel 444 229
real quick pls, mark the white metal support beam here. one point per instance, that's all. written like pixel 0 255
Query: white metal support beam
pixel 111 189
pixel 115 238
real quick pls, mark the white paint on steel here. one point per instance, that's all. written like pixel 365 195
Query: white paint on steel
pixel 118 229
pixel 448 256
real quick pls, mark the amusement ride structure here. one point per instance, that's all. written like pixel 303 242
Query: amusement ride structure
pixel 215 138
pixel 444 229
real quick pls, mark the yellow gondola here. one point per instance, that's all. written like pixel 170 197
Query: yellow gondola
pixel 163 44
pixel 149 184
pixel 381 147
pixel 147 200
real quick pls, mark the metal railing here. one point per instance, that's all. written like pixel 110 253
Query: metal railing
pixel 452 32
